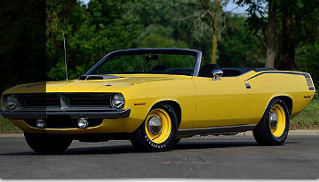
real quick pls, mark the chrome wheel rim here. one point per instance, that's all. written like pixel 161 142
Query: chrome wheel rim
pixel 277 120
pixel 273 120
pixel 155 125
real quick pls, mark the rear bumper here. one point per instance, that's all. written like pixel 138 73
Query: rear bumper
pixel 72 114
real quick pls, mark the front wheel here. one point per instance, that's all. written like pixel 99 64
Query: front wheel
pixel 274 125
pixel 158 132
pixel 47 143
pixel 177 140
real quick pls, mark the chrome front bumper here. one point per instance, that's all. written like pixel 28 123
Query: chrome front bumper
pixel 112 114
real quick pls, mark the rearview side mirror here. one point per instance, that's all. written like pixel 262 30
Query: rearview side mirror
pixel 217 73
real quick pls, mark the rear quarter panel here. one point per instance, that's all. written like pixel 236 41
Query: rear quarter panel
pixel 267 86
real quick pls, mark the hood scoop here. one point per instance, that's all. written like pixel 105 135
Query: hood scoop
pixel 98 77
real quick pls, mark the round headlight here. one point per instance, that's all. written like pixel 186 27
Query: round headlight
pixel 117 101
pixel 12 102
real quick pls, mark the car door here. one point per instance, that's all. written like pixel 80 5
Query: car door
pixel 226 101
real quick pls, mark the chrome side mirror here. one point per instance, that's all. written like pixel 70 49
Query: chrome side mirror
pixel 217 73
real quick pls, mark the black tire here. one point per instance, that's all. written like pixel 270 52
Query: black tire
pixel 263 133
pixel 142 141
pixel 47 143
pixel 177 140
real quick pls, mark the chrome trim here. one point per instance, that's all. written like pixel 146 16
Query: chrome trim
pixel 16 102
pixel 154 125
pixel 216 130
pixel 73 114
pixel 113 104
pixel 198 63
pixel 248 85
pixel 64 102
pixel 273 120
pixel 217 73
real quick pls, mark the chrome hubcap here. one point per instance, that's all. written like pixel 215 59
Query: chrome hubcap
pixel 273 120
pixel 155 125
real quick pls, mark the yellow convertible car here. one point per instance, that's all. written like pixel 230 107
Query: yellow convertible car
pixel 154 97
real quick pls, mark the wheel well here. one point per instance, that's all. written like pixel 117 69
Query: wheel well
pixel 287 100
pixel 176 107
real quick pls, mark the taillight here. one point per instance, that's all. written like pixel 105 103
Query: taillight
pixel 310 84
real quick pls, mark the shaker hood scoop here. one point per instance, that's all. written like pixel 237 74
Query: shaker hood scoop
pixel 98 77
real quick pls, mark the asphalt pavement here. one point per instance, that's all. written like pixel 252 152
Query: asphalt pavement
pixel 211 157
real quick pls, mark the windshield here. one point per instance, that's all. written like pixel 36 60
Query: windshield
pixel 162 63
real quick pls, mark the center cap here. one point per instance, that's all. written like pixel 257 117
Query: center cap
pixel 155 125
pixel 273 120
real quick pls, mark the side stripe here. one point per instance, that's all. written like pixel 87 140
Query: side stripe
pixel 279 72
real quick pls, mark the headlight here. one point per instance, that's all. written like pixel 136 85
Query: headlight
pixel 11 103
pixel 117 101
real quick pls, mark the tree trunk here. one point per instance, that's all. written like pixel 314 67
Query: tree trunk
pixel 271 34
pixel 287 61
pixel 215 32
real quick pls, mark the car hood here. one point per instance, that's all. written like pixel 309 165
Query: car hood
pixel 106 85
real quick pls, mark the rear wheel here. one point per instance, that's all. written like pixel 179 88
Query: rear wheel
pixel 158 132
pixel 274 126
pixel 47 143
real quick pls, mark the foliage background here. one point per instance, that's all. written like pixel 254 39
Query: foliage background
pixel 22 42
pixel 31 34
pixel 105 26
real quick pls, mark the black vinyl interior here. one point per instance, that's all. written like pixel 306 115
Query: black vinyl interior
pixel 160 68
pixel 234 71
pixel 206 70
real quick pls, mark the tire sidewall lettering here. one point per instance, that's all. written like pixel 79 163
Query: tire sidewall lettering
pixel 168 141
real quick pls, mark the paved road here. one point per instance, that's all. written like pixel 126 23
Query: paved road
pixel 223 157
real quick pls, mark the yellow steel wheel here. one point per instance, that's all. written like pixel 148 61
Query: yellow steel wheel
pixel 273 127
pixel 158 131
pixel 277 120
pixel 158 126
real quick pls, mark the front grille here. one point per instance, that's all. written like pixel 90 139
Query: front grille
pixel 41 100
pixel 65 100
pixel 89 100
pixel 63 122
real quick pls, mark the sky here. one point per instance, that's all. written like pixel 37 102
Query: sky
pixel 234 8
pixel 230 7
pixel 85 1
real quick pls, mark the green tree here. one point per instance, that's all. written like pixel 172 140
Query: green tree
pixel 189 24
pixel 238 47
pixel 283 25
pixel 22 50
pixel 91 32
pixel 307 59
pixel 179 21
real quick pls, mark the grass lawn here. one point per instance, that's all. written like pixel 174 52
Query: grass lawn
pixel 307 119
pixel 7 127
